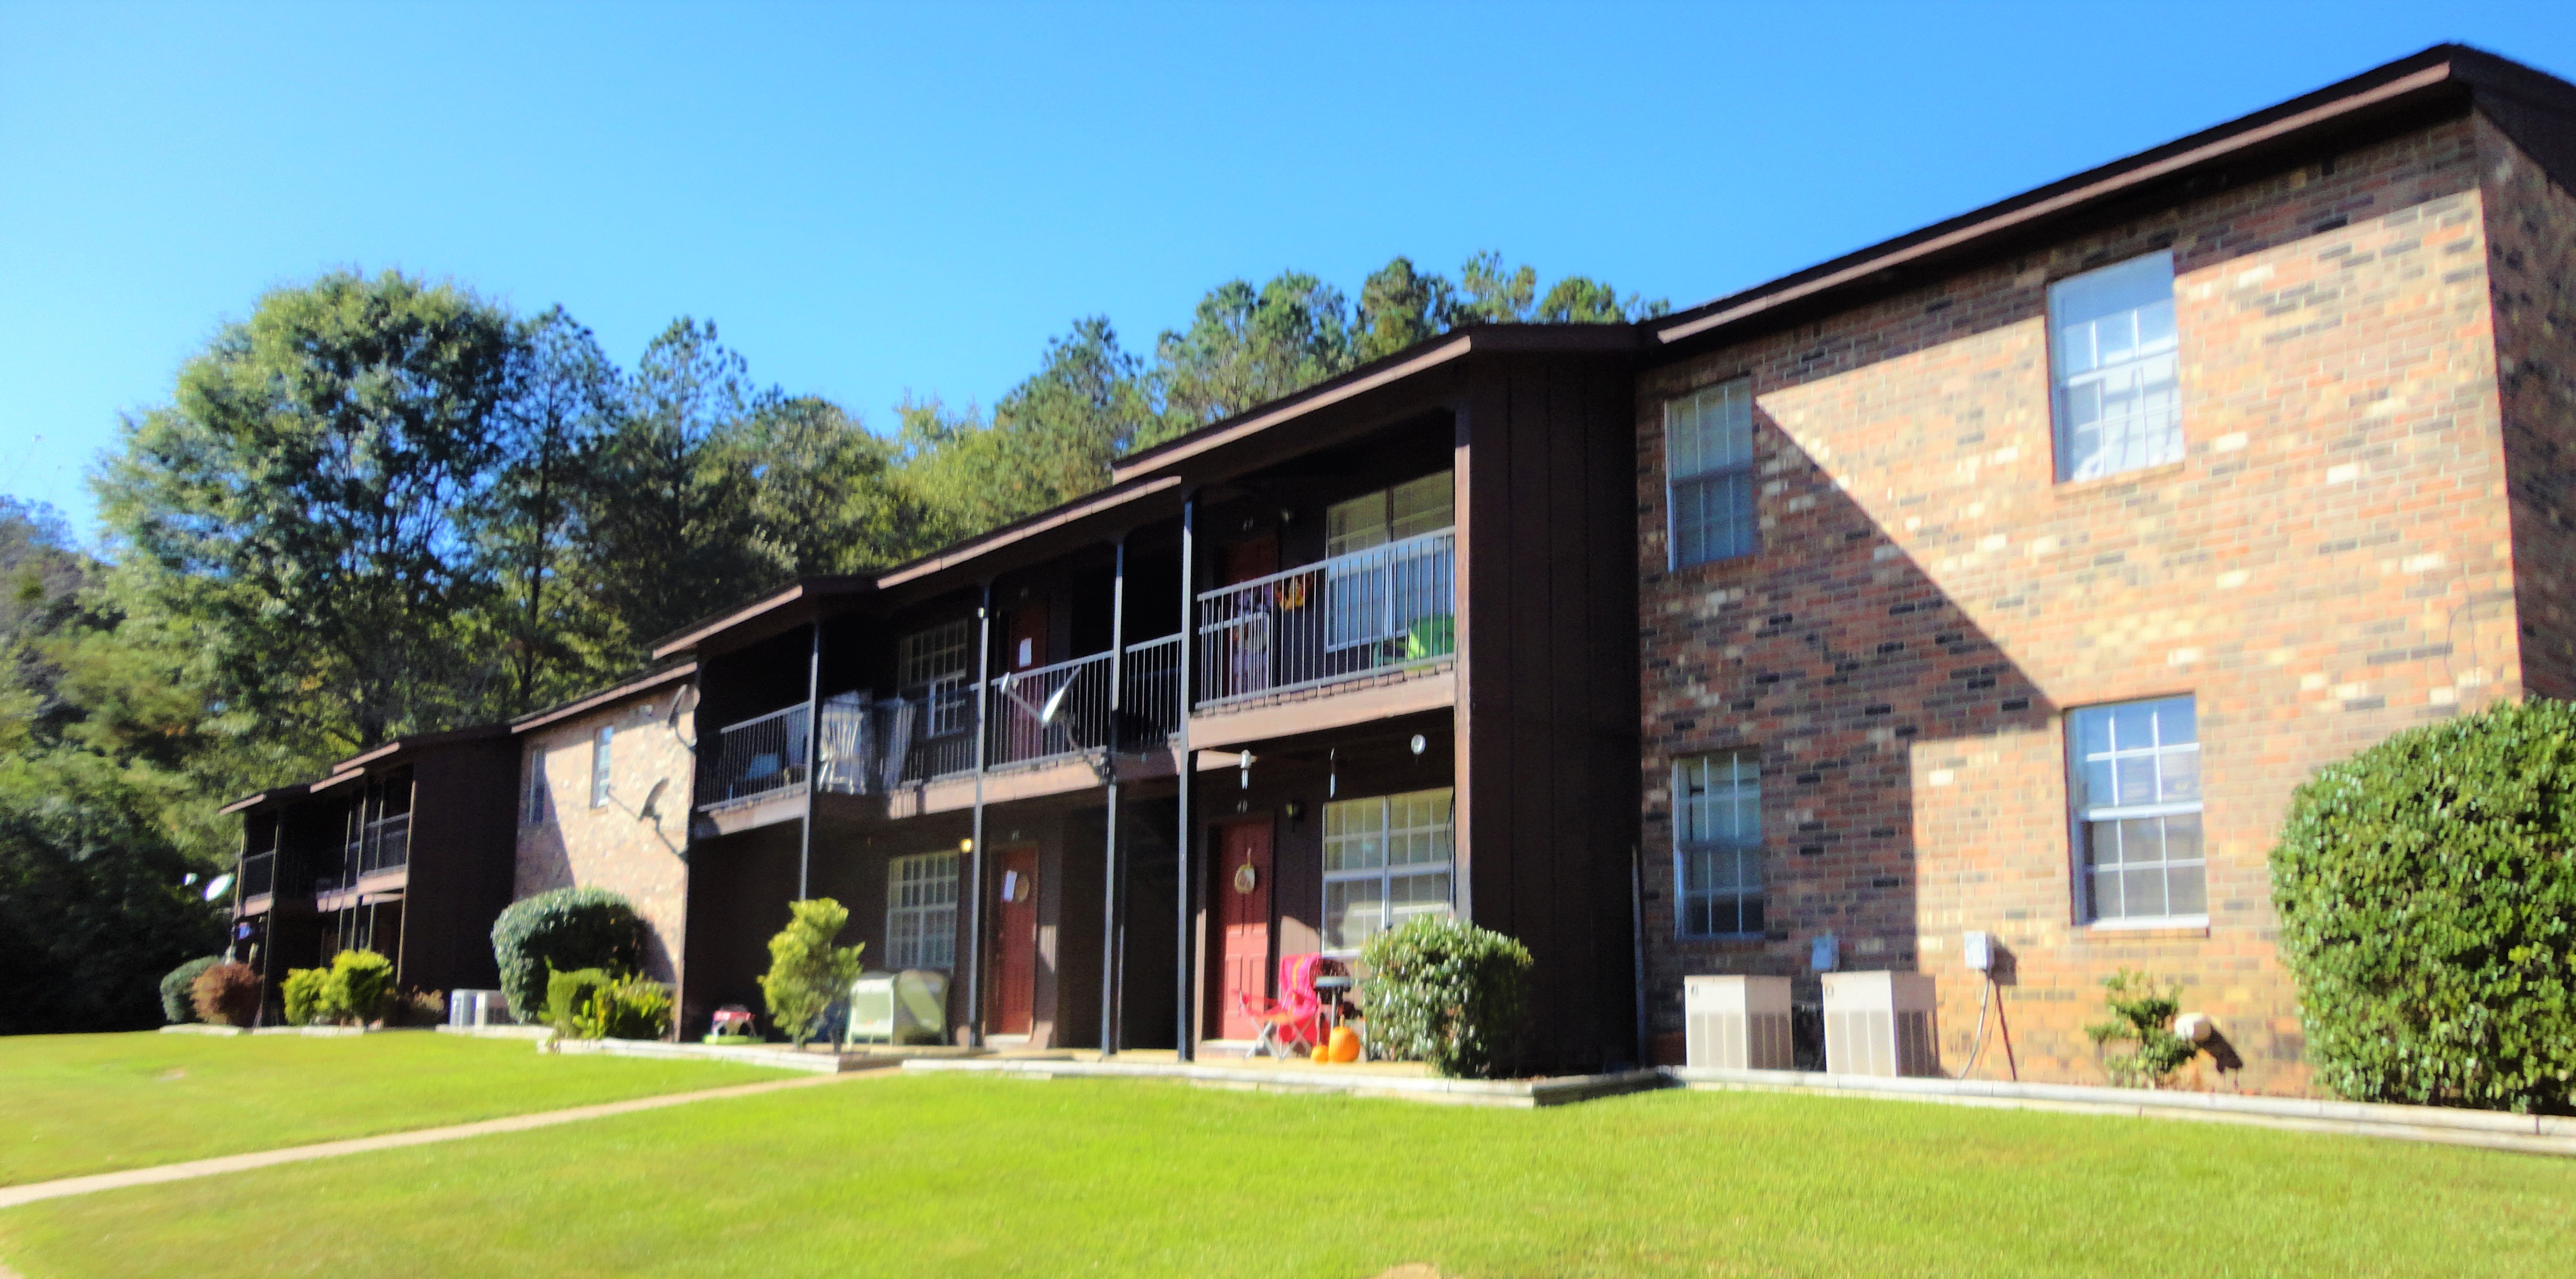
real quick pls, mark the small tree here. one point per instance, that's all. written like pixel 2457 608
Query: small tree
pixel 227 995
pixel 806 971
pixel 2142 1013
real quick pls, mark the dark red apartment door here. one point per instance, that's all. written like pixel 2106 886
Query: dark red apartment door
pixel 1015 942
pixel 1243 923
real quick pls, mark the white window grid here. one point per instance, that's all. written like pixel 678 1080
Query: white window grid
pixel 1708 465
pixel 921 911
pixel 600 750
pixel 532 806
pixel 933 665
pixel 1380 597
pixel 2137 801
pixel 1717 844
pixel 1388 860
pixel 2118 374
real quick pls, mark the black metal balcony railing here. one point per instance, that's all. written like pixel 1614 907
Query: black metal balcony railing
pixel 258 874
pixel 385 844
pixel 1377 609
pixel 755 757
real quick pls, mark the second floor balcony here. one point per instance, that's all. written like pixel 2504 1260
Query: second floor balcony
pixel 1352 615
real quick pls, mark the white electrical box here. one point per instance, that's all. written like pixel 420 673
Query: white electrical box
pixel 468 1008
pixel 909 1007
pixel 1880 1023
pixel 1736 1023
pixel 1979 948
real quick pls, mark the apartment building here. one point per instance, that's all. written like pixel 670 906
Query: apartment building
pixel 2005 577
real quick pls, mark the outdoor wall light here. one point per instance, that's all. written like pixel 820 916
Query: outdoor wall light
pixel 1419 745
pixel 1296 811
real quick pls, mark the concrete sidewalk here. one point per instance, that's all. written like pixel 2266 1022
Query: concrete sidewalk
pixel 12 1196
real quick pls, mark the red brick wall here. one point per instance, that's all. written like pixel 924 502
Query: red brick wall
pixel 2326 566
pixel 2532 242
pixel 613 846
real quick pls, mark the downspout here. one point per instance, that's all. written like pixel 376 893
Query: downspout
pixel 1184 1035
pixel 813 760
pixel 1637 942
pixel 1109 869
pixel 975 840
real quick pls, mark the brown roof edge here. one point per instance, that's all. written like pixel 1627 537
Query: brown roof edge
pixel 418 741
pixel 272 794
pixel 1020 530
pixel 802 590
pixel 2381 87
pixel 1479 339
pixel 566 710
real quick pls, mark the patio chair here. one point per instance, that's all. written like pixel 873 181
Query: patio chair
pixel 1294 1021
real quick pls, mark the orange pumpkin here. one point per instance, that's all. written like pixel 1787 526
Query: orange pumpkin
pixel 1321 1054
pixel 1345 1044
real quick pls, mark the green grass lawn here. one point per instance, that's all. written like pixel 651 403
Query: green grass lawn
pixel 75 1104
pixel 929 1176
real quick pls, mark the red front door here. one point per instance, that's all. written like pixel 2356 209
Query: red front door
pixel 1242 888
pixel 1015 942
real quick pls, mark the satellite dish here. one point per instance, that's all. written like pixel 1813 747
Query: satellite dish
pixel 682 703
pixel 1054 707
pixel 652 800
pixel 215 887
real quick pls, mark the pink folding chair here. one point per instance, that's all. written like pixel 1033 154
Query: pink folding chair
pixel 1295 1020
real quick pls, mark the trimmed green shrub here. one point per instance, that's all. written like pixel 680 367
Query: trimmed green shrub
pixel 806 971
pixel 305 990
pixel 2142 1013
pixel 563 930
pixel 1446 992
pixel 632 1007
pixel 177 1004
pixel 227 995
pixel 362 983
pixel 2427 894
pixel 568 1000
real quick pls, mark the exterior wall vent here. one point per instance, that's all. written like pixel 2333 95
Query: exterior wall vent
pixel 1736 1023
pixel 1879 1023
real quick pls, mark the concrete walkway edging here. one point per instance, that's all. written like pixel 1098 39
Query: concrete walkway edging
pixel 220 1165
pixel 1518 1093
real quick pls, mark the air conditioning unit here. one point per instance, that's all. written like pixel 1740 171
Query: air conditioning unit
pixel 909 1007
pixel 468 1008
pixel 1736 1023
pixel 1879 1023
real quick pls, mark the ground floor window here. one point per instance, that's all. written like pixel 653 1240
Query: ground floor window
pixel 921 911
pixel 1387 860
pixel 2136 791
pixel 1717 843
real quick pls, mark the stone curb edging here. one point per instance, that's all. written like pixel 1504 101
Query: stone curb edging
pixel 740 1055
pixel 336 1032
pixel 197 1028
pixel 504 1031
pixel 1520 1093
pixel 33 1192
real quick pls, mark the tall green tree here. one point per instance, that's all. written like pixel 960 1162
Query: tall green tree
pixel 1247 346
pixel 1400 306
pixel 554 635
pixel 305 498
pixel 826 496
pixel 1051 438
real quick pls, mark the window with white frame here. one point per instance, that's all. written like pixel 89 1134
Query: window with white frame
pixel 1387 860
pixel 2118 395
pixel 1708 468
pixel 921 911
pixel 2136 792
pixel 532 806
pixel 934 666
pixel 1381 596
pixel 599 752
pixel 1717 843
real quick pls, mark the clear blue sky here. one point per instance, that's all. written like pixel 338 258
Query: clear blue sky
pixel 874 200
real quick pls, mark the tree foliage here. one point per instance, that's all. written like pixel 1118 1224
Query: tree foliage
pixel 2427 892
pixel 807 973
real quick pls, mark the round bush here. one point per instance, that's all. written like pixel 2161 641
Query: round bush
pixel 1448 993
pixel 2427 893
pixel 565 929
pixel 177 989
pixel 227 995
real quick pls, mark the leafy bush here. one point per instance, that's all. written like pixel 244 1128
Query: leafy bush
pixel 227 995
pixel 1445 992
pixel 176 1004
pixel 568 999
pixel 2427 893
pixel 2142 1013
pixel 564 930
pixel 590 1003
pixel 806 971
pixel 305 991
pixel 362 983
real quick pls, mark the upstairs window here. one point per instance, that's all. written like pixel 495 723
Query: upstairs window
pixel 921 911
pixel 2119 402
pixel 1708 468
pixel 2136 792
pixel 934 665
pixel 1411 509
pixel 599 753
pixel 1717 843
pixel 532 806
pixel 1400 594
